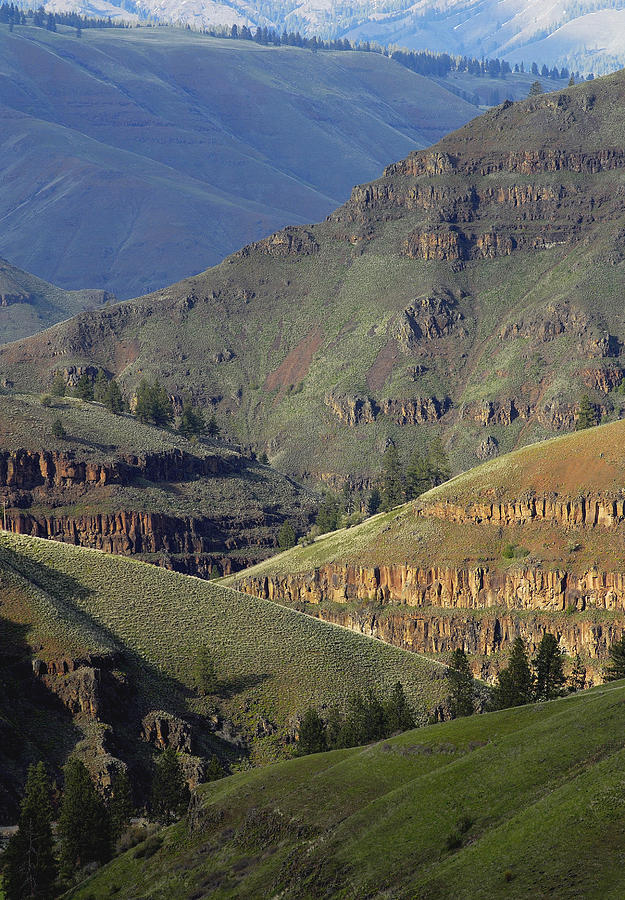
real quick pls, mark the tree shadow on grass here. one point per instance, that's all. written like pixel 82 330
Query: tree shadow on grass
pixel 230 687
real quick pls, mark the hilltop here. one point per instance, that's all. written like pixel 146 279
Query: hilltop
pixel 527 543
pixel 472 291
pixel 28 304
pixel 115 640
pixel 526 802
pixel 140 156
pixel 115 484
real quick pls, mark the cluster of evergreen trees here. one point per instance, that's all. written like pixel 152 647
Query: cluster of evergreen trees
pixel 12 15
pixel 406 481
pixel 367 718
pixel 153 404
pixel 40 863
pixel 524 681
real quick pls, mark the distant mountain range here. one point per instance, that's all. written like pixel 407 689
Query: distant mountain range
pixel 135 157
pixel 585 35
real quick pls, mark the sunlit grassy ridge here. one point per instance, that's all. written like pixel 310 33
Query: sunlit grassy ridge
pixel 272 660
pixel 522 803
pixel 567 467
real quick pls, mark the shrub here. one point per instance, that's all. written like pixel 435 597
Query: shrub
pixel 46 400
pixel 508 551
pixel 148 848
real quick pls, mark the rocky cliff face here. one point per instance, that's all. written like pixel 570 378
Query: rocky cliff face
pixel 426 609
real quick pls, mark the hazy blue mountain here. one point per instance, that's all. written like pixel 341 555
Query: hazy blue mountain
pixel 133 158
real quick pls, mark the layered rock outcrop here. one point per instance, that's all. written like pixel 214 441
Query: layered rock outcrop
pixel 354 411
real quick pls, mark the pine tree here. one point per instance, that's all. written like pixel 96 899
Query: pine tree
pixel 312 733
pixel 587 416
pixel 212 427
pixel 461 685
pixel 514 683
pixel 329 515
pixel 205 672
pixel 616 667
pixel 577 678
pixel 120 805
pixel 153 404
pixel 571 80
pixel 84 388
pixel 535 89
pixel 373 502
pixel 214 770
pixel 548 669
pixel 192 423
pixel 418 476
pixel 397 713
pixel 84 830
pixel 286 536
pixel 58 387
pixel 438 462
pixel 100 386
pixel 393 480
pixel 113 399
pixel 58 430
pixel 29 865
pixel 170 794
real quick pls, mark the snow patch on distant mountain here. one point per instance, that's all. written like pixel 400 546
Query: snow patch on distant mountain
pixel 585 34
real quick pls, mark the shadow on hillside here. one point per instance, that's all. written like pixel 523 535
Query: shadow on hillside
pixel 230 687
pixel 34 724
pixel 147 688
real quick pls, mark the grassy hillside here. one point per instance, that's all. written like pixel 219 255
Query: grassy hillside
pixel 528 543
pixel 521 803
pixel 567 468
pixel 272 661
pixel 473 291
pixel 149 154
pixel 28 304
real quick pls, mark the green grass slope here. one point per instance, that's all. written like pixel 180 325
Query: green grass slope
pixel 354 332
pixel 147 154
pixel 28 304
pixel 272 661
pixel 522 803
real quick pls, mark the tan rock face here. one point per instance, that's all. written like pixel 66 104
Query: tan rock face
pixel 589 511
pixel 412 606
pixel 354 411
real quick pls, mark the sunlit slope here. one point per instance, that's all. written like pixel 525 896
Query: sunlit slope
pixel 272 661
pixel 522 803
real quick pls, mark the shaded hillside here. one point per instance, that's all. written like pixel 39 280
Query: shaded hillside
pixel 528 543
pixel 114 642
pixel 116 485
pixel 516 804
pixel 28 304
pixel 473 289
pixel 138 157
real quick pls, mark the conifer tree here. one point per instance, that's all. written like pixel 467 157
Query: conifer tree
pixel 100 386
pixel 58 429
pixel 192 423
pixel 616 667
pixel 461 685
pixel 514 683
pixel 153 404
pixel 120 805
pixel 84 388
pixel 205 672
pixel 548 669
pixel 393 480
pixel 286 536
pixel 212 427
pixel 84 830
pixel 170 794
pixel 29 865
pixel 113 399
pixel 373 501
pixel 214 770
pixel 438 462
pixel 418 476
pixel 312 733
pixel 587 416
pixel 577 678
pixel 58 387
pixel 397 713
